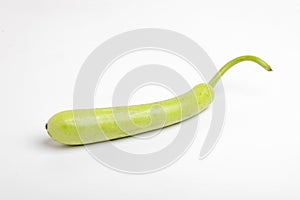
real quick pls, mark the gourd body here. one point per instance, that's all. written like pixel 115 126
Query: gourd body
pixel 77 127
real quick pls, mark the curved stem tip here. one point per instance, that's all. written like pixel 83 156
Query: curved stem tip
pixel 235 61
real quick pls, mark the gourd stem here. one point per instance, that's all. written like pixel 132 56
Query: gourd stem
pixel 235 61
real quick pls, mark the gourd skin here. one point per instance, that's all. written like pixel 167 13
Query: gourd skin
pixel 77 127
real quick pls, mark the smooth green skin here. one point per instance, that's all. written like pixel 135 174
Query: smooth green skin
pixel 77 127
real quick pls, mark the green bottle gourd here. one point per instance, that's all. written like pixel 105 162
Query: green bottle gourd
pixel 78 127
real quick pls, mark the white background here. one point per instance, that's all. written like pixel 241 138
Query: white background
pixel 44 43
